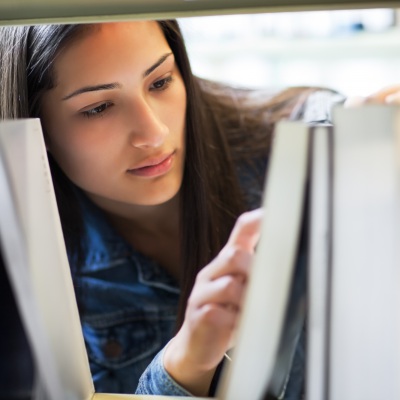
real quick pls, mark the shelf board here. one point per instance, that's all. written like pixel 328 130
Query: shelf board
pixel 16 12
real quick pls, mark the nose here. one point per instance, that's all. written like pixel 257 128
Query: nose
pixel 148 129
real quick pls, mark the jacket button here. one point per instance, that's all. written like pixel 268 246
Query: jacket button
pixel 112 349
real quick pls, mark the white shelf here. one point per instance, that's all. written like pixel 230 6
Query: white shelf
pixel 46 11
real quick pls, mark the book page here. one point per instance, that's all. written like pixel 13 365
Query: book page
pixel 39 262
pixel 365 319
pixel 270 280
pixel 319 263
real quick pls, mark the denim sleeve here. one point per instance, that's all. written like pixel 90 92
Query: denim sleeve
pixel 155 380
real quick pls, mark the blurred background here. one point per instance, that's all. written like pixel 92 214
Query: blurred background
pixel 354 51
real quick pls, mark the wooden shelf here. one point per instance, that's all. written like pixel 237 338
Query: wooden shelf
pixel 13 12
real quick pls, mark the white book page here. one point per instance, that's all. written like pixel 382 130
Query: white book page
pixel 318 263
pixel 48 283
pixel 270 279
pixel 15 257
pixel 365 325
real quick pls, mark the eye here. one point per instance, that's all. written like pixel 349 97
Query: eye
pixel 161 84
pixel 97 111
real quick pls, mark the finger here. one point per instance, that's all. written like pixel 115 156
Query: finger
pixel 225 291
pixel 381 95
pixel 389 95
pixel 246 232
pixel 230 261
pixel 393 98
pixel 216 317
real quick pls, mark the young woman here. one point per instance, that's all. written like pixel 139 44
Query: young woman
pixel 154 171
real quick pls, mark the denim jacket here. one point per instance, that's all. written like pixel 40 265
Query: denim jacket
pixel 129 303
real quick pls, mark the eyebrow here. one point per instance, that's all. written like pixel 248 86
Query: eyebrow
pixel 156 64
pixel 115 85
pixel 107 86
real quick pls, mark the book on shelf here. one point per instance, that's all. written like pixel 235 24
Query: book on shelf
pixel 364 294
pixel 274 308
pixel 35 259
pixel 353 322
pixel 327 263
pixel 319 261
pixel 333 190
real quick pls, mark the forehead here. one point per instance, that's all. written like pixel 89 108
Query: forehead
pixel 110 45
pixel 136 33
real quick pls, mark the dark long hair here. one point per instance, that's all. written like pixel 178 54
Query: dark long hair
pixel 223 127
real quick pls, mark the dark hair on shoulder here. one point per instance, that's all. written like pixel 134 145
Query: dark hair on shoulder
pixel 223 126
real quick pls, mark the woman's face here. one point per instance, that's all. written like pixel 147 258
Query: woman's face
pixel 115 121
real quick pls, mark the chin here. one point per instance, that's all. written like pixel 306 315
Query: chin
pixel 159 198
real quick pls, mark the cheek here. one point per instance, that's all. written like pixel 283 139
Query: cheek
pixel 79 156
pixel 177 111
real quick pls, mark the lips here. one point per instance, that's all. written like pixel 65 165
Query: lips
pixel 153 167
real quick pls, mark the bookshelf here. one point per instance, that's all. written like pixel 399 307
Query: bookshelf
pixel 46 11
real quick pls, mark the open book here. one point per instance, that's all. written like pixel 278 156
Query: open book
pixel 352 321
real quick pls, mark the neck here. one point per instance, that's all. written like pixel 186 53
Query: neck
pixel 148 220
pixel 151 230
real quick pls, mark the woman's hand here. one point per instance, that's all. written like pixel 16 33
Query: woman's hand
pixel 388 95
pixel 213 309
